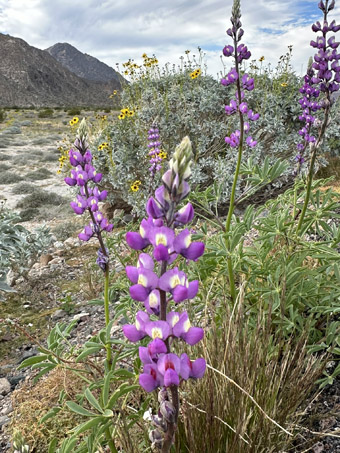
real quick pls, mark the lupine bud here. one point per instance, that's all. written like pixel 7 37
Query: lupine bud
pixel 168 411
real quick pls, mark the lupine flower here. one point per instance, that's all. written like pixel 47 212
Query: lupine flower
pixel 162 368
pixel 323 75
pixel 239 53
pixel 85 176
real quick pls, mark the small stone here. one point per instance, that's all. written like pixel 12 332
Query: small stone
pixel 5 386
pixel 128 218
pixel 118 213
pixel 318 447
pixel 4 420
pixel 58 245
pixel 7 409
pixel 58 314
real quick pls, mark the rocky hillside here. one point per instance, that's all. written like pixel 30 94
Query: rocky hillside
pixel 82 64
pixel 30 77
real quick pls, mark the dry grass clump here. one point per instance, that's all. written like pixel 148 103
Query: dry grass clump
pixel 279 375
pixel 31 403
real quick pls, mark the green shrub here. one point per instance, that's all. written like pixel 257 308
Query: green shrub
pixel 2 116
pixel 46 113
pixel 74 111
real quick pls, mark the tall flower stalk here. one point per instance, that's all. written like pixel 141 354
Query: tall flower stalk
pixel 240 137
pixel 323 76
pixel 85 177
pixel 160 289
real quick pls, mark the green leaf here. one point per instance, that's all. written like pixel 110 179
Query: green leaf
pixel 32 361
pixel 50 414
pixel 122 373
pixel 48 367
pixel 74 407
pixel 53 446
pixel 92 400
pixel 122 390
pixel 88 352
pixel 88 425
pixel 106 388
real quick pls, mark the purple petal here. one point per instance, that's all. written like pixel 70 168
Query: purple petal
pixel 153 209
pixel 171 378
pixel 195 250
pixel 146 261
pixel 192 289
pixel 139 292
pixel 157 346
pixel 148 382
pixel 70 181
pixel 135 241
pixel 132 273
pixel 144 355
pixel 180 293
pixel 198 368
pixel 132 333
pixel 193 336
pixel 158 329
pixel 161 253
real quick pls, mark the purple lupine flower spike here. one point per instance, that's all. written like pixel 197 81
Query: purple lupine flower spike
pixel 162 368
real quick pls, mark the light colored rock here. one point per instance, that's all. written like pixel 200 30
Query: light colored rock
pixel 56 261
pixel 58 314
pixel 45 259
pixel 71 242
pixel 5 386
pixel 80 316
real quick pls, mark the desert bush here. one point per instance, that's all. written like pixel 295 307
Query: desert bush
pixel 24 188
pixel 74 111
pixel 39 174
pixel 4 167
pixel 46 113
pixel 2 116
pixel 8 177
pixel 39 198
pixel 5 157
pixel 19 247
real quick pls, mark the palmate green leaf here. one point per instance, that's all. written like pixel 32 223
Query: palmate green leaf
pixel 74 407
pixel 92 400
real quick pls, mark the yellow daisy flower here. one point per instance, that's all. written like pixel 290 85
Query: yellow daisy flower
pixel 162 155
pixel 71 122
pixel 75 120
pixel 130 113
pixel 261 58
pixel 135 186
pixel 284 84
pixel 121 116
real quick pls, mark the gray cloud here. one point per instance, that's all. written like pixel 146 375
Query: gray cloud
pixel 116 31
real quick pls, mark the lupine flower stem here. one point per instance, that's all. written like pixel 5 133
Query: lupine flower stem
pixel 312 162
pixel 327 77
pixel 233 189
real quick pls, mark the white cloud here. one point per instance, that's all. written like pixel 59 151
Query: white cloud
pixel 116 31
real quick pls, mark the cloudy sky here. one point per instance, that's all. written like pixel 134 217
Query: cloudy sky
pixel 116 30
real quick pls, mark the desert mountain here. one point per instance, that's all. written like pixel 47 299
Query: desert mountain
pixel 32 77
pixel 82 64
